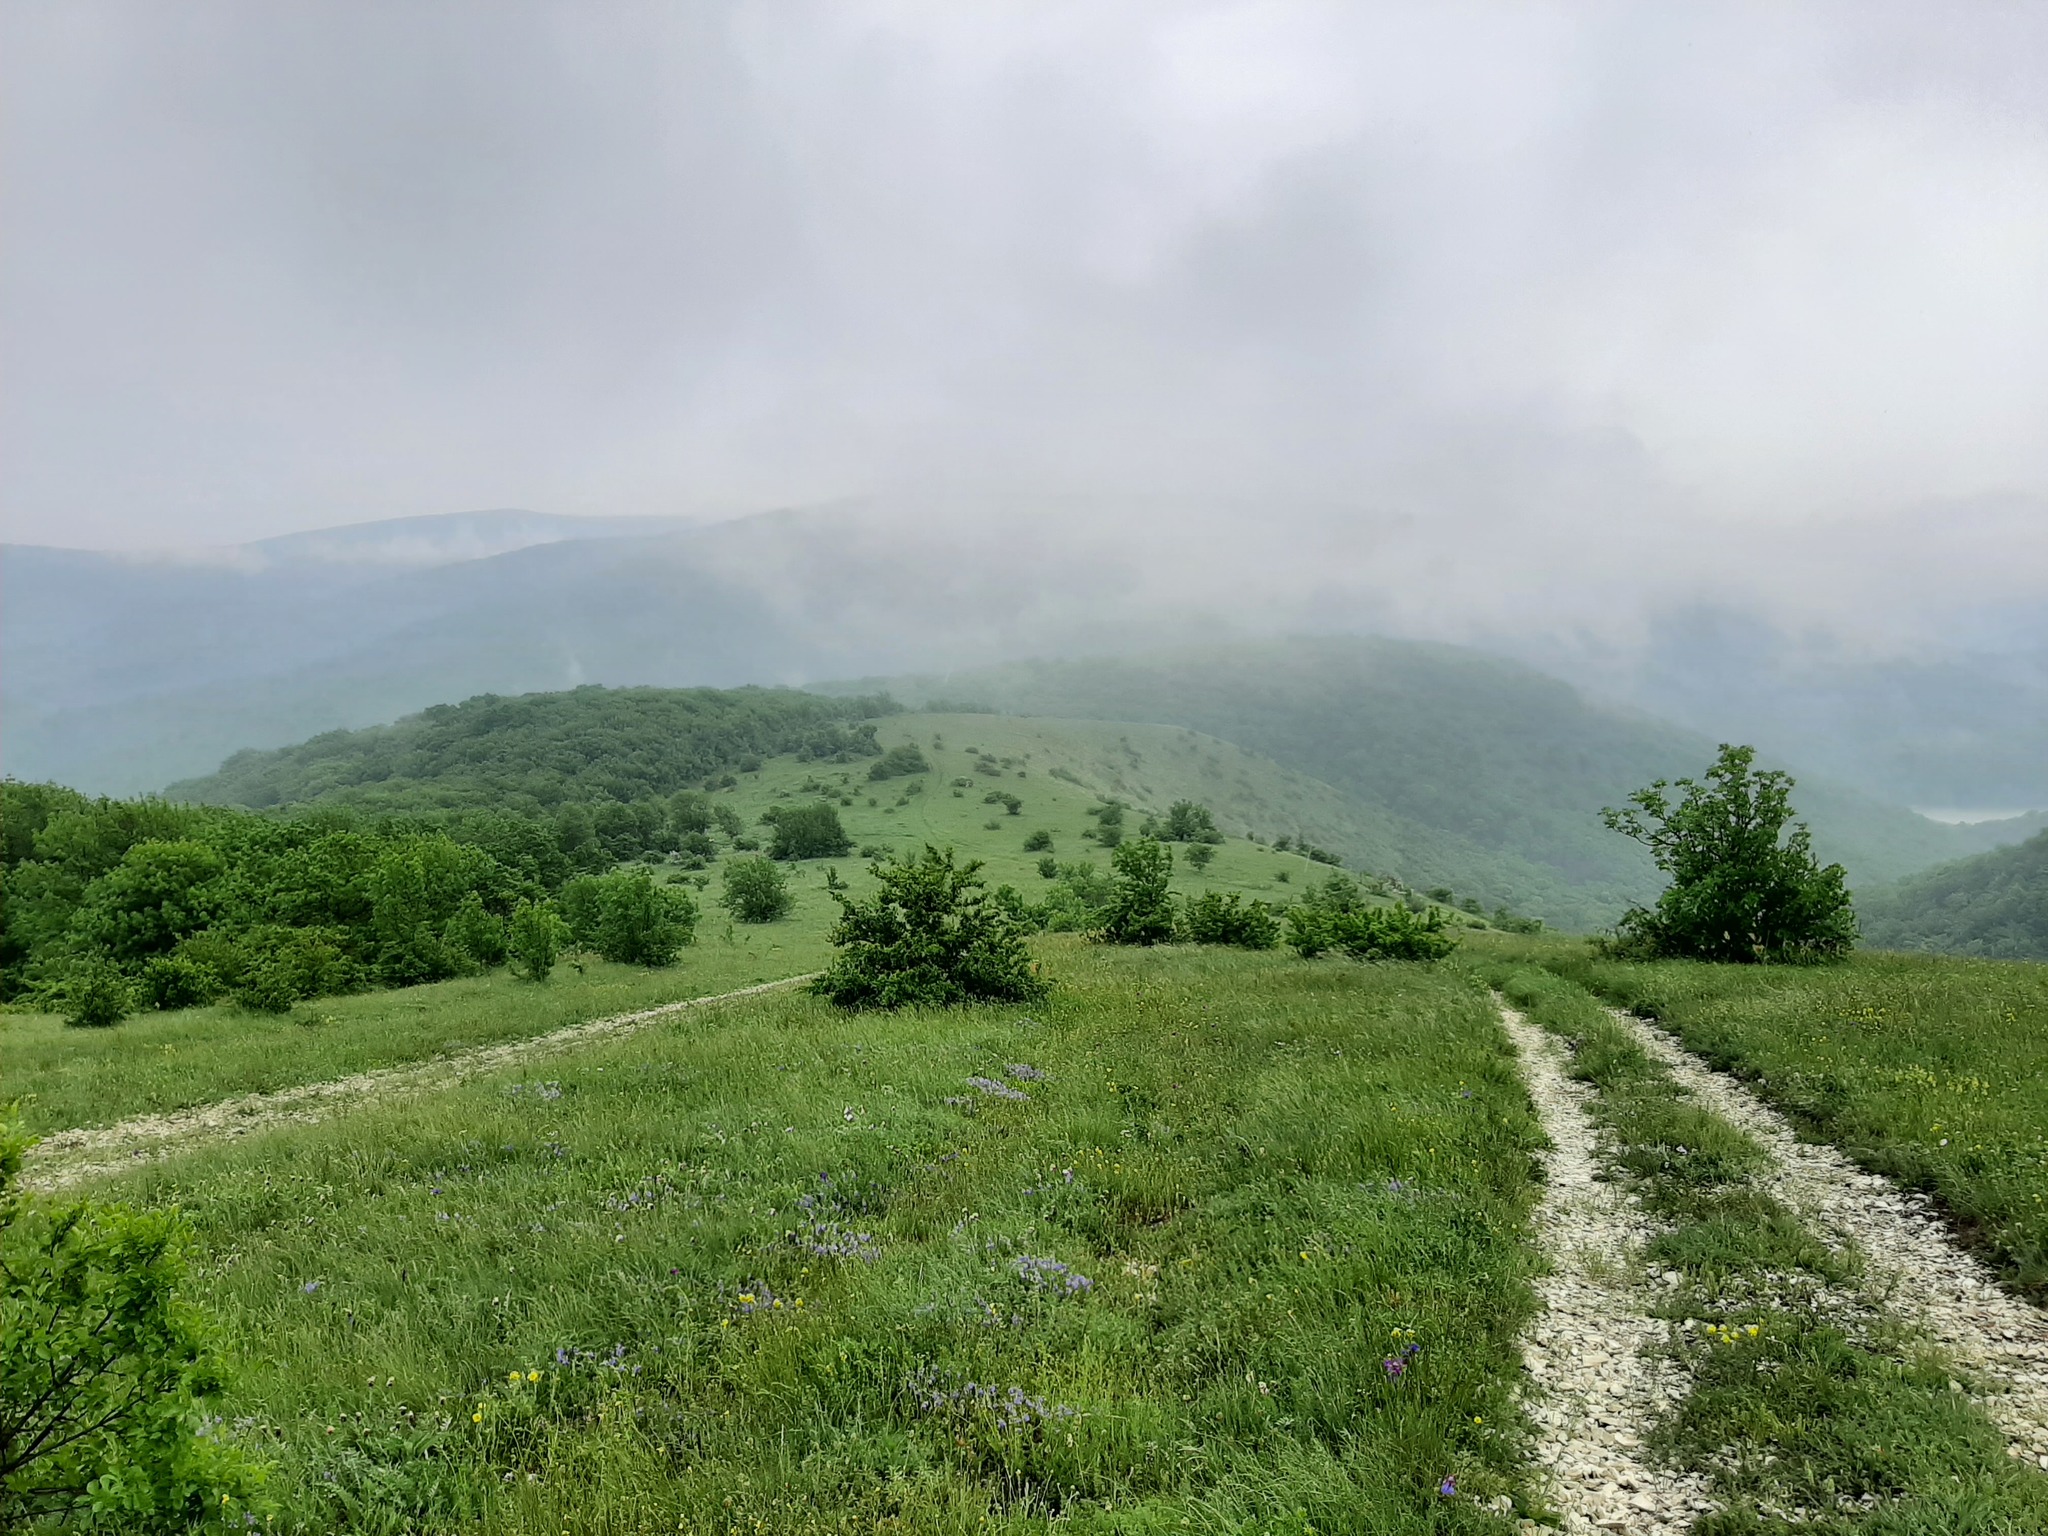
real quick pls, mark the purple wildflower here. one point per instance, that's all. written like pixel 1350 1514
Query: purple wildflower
pixel 1395 1367
pixel 1448 1487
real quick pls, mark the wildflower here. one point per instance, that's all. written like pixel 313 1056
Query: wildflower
pixel 1448 1487
pixel 533 1375
pixel 1395 1367
pixel 477 1417
pixel 310 1287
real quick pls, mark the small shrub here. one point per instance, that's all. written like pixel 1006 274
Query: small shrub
pixel 874 850
pixel 1141 904
pixel 899 762
pixel 1216 918
pixel 1038 842
pixel 931 936
pixel 1187 822
pixel 808 832
pixel 1199 855
pixel 1370 933
pixel 476 933
pixel 535 940
pixel 1048 868
pixel 755 891
pixel 173 981
pixel 104 1372
pixel 96 995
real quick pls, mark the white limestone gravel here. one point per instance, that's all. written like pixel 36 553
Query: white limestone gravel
pixel 1913 1265
pixel 1597 1359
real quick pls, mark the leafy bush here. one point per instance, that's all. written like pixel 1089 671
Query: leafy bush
pixel 1187 822
pixel 1140 907
pixel 931 936
pixel 1369 933
pixel 97 995
pixel 1109 823
pixel 1012 803
pixel 807 832
pixel 899 762
pixel 1038 842
pixel 1079 896
pixel 1216 918
pixel 534 942
pixel 629 919
pixel 104 1372
pixel 174 981
pixel 477 933
pixel 755 891
pixel 1199 855
pixel 1742 888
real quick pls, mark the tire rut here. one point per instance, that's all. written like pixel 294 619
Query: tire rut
pixel 1597 1356
pixel 70 1157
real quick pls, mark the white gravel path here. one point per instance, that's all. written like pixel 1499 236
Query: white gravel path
pixel 1912 1264
pixel 1596 1354
pixel 65 1158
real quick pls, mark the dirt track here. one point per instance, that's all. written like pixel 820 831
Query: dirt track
pixel 71 1157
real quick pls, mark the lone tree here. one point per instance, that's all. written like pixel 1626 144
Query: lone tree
pixel 931 936
pixel 1141 901
pixel 1742 887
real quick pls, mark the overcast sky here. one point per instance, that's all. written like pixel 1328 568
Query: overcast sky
pixel 1627 274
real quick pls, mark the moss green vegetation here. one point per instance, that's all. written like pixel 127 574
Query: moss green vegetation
pixel 542 750
pixel 1203 1242
pixel 1994 905
pixel 1801 1399
pixel 1452 768
pixel 1933 1071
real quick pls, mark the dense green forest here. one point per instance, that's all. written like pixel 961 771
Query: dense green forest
pixel 107 905
pixel 540 751
pixel 1995 905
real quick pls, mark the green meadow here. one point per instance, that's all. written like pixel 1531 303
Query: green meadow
pixel 1209 1241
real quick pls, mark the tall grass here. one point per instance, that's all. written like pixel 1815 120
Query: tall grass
pixel 1212 1241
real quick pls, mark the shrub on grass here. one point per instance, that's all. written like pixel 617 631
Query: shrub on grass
pixel 1187 822
pixel 1743 887
pixel 755 891
pixel 174 981
pixel 1038 842
pixel 1216 918
pixel 1048 868
pixel 899 762
pixel 477 933
pixel 932 935
pixel 1370 933
pixel 534 942
pixel 1140 904
pixel 96 995
pixel 629 919
pixel 1199 855
pixel 807 832
pixel 104 1372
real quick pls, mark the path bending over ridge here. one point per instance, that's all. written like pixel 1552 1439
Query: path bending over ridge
pixel 70 1157
pixel 1912 1264
pixel 1595 1352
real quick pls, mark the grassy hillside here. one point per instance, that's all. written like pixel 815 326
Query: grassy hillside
pixel 1995 905
pixel 778 1269
pixel 1483 775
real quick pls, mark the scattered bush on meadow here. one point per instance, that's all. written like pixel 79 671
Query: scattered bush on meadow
pixel 1109 823
pixel 97 995
pixel 629 919
pixel 1199 855
pixel 1048 868
pixel 1216 918
pixel 1187 822
pixel 1743 888
pixel 807 832
pixel 899 762
pixel 1140 909
pixel 932 935
pixel 755 891
pixel 535 938
pixel 1038 842
pixel 1337 916
pixel 104 1371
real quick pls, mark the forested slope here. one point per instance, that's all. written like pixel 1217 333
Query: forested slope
pixel 1995 905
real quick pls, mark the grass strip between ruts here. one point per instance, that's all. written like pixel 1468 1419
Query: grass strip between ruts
pixel 1808 1409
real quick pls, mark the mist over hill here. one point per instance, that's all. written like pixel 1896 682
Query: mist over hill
pixel 125 672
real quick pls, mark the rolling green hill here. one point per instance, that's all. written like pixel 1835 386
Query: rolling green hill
pixel 1994 905
pixel 1459 769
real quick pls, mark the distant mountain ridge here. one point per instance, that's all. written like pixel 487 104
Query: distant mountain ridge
pixel 1994 905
